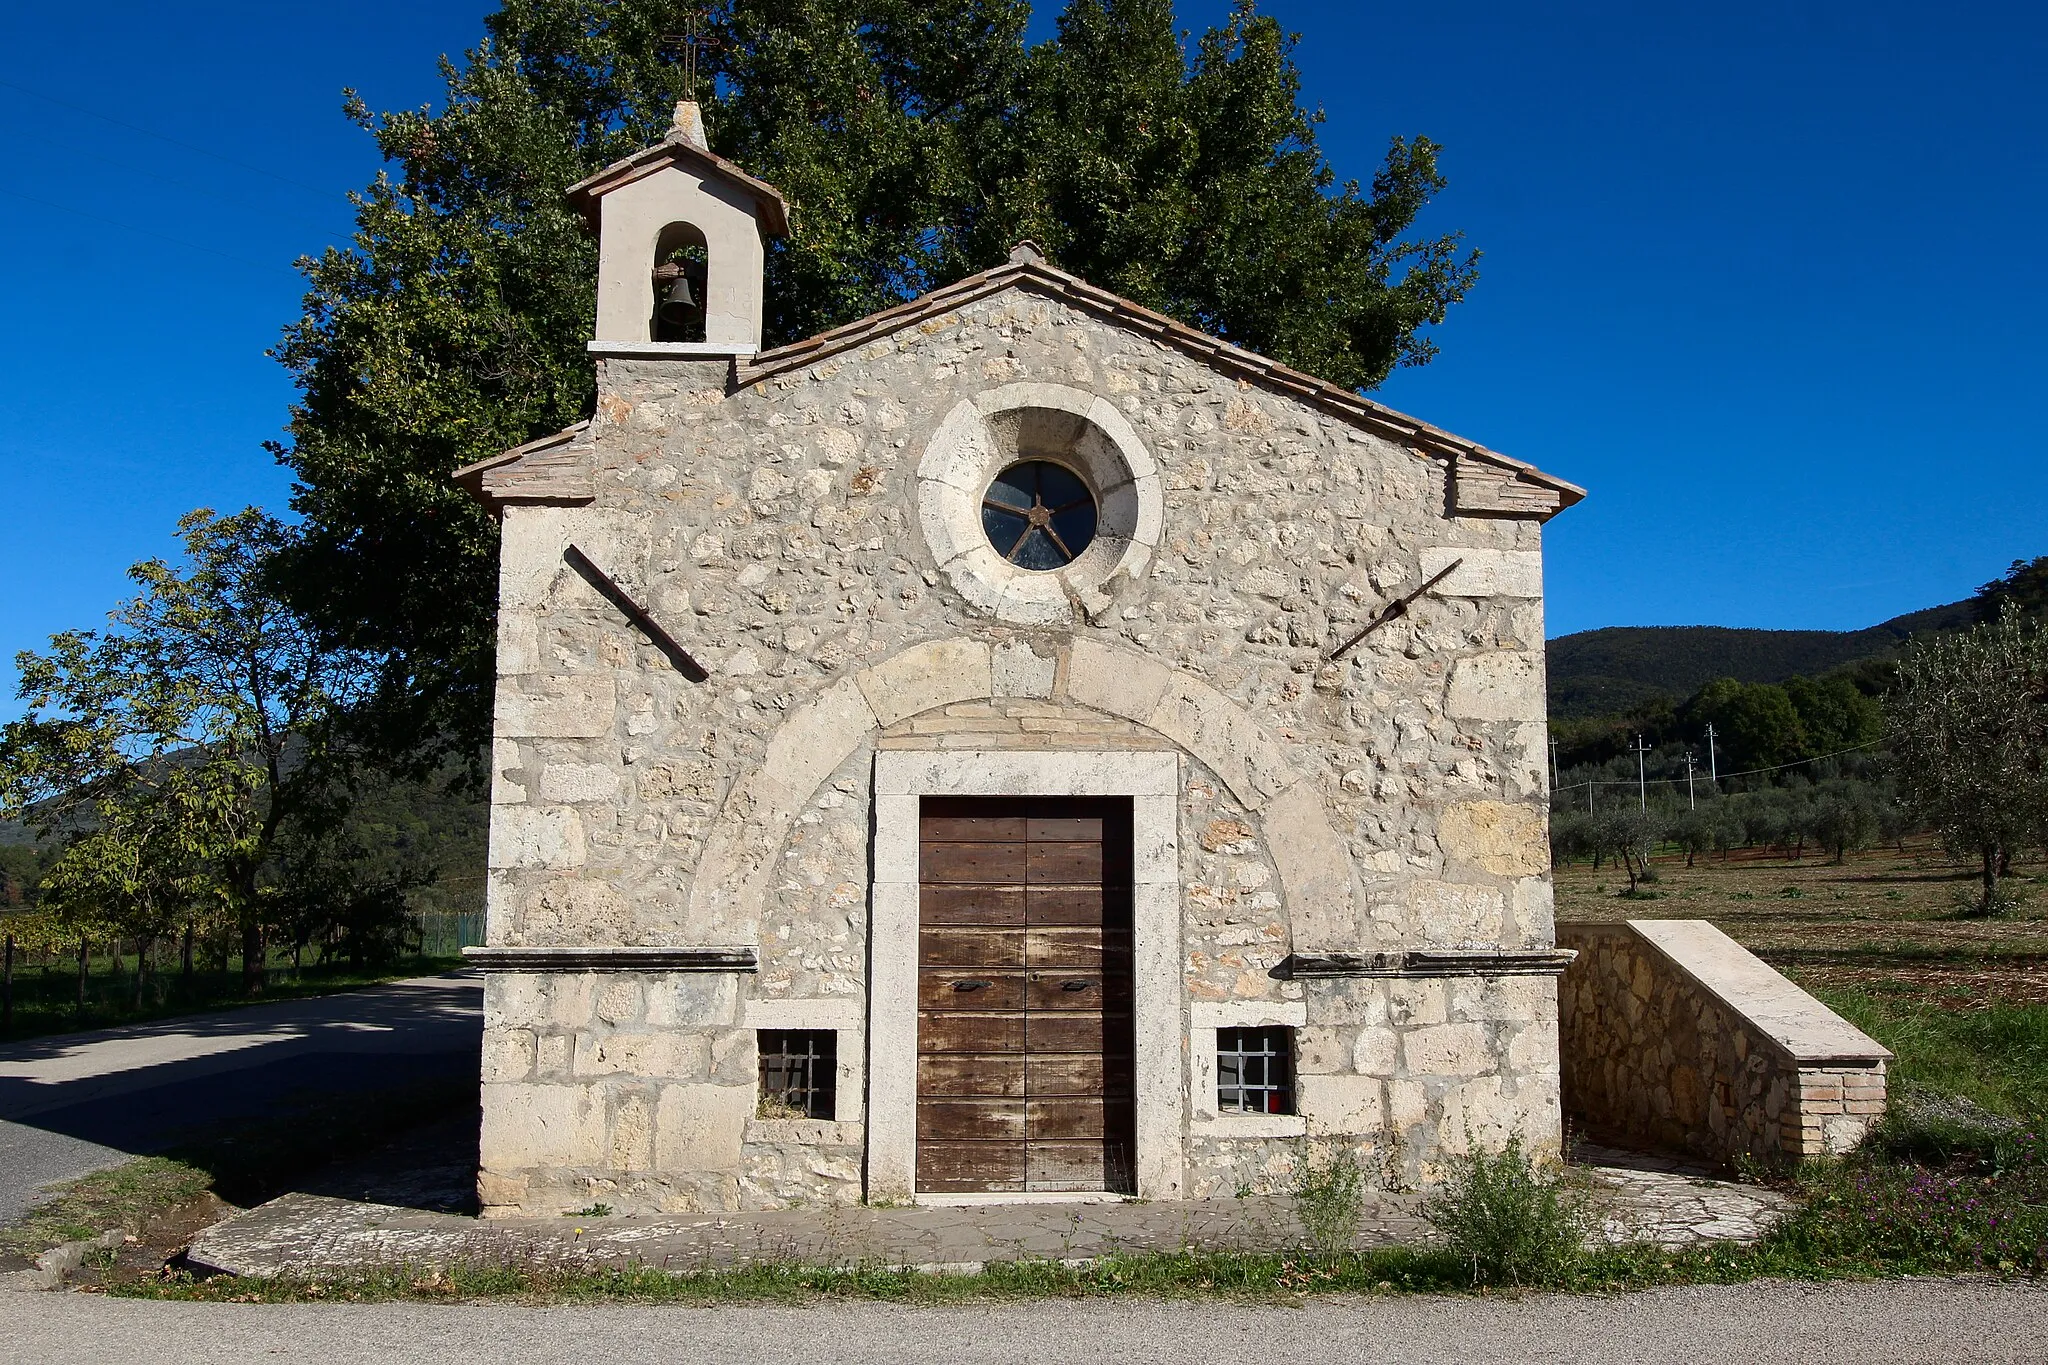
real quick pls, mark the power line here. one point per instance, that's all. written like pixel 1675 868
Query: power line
pixel 1747 772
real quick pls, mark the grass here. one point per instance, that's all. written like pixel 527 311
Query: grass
pixel 1848 1232
pixel 241 1165
pixel 124 1197
pixel 1869 1216
pixel 46 1002
pixel 1883 922
pixel 1994 1058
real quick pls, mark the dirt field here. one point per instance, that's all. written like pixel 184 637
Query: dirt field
pixel 1885 921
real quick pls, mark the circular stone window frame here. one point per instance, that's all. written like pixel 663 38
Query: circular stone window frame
pixel 984 435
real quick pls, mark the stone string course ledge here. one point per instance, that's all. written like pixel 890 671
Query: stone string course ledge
pixel 1673 1034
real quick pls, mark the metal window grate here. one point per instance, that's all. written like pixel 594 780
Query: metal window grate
pixel 798 1068
pixel 1255 1070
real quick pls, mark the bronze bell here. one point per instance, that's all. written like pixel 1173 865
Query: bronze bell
pixel 679 304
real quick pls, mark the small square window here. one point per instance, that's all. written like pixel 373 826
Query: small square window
pixel 1255 1070
pixel 798 1069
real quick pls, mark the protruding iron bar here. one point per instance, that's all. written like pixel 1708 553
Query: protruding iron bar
pixel 637 614
pixel 1398 607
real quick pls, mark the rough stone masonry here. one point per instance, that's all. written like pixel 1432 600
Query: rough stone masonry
pixel 1352 849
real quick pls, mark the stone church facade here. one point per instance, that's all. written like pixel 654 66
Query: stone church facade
pixel 926 769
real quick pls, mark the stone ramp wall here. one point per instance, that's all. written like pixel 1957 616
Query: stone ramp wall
pixel 1674 1036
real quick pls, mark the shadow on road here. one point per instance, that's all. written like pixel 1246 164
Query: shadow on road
pixel 269 1096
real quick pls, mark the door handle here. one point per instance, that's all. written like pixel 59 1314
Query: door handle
pixel 1075 985
pixel 972 985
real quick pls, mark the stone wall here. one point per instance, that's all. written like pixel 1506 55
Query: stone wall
pixel 1390 800
pixel 1675 1037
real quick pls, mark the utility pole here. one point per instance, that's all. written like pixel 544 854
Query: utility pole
pixel 1713 765
pixel 1642 780
pixel 1689 801
pixel 1553 765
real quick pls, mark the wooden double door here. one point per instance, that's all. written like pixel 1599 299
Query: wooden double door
pixel 1024 1034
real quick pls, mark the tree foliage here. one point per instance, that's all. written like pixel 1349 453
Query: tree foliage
pixel 169 756
pixel 2024 588
pixel 1969 730
pixel 916 139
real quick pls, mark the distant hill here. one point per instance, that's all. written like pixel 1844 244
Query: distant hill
pixel 1601 672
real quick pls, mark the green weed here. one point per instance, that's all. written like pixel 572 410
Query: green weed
pixel 123 1197
pixel 1514 1220
pixel 1329 1198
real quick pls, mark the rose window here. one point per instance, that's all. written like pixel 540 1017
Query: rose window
pixel 1038 515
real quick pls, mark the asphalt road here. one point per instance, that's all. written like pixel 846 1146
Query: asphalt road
pixel 77 1102
pixel 1866 1324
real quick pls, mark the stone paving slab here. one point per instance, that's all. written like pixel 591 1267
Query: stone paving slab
pixel 305 1234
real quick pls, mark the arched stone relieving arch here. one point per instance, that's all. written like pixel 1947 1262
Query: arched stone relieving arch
pixel 729 892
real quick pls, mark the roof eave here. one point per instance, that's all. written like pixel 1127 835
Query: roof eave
pixel 1343 403
pixel 585 193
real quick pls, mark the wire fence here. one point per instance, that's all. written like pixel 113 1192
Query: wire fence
pixel 446 934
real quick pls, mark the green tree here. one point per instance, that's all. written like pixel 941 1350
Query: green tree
pixel 1756 722
pixel 1844 816
pixel 138 870
pixel 21 871
pixel 917 140
pixel 1627 833
pixel 1969 732
pixel 2024 587
pixel 1833 714
pixel 169 754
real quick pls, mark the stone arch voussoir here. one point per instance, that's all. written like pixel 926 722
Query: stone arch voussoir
pixel 729 892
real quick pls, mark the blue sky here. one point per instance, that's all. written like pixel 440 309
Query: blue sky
pixel 1766 278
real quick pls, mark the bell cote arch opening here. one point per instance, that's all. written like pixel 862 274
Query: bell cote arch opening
pixel 681 278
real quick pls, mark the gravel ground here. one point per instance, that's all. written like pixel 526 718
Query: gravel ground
pixel 1858 1324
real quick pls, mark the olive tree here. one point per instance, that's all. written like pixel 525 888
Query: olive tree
pixel 1969 732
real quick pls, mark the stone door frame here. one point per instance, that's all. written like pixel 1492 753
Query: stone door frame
pixel 1151 779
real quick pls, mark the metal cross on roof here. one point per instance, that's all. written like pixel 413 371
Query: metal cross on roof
pixel 690 42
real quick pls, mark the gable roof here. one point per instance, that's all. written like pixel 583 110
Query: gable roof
pixel 675 150
pixel 556 469
pixel 1485 482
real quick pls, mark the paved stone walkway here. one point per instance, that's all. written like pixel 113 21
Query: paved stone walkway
pixel 308 1233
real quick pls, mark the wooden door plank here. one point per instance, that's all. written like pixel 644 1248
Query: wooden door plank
pixel 953 945
pixel 969 904
pixel 960 1119
pixel 969 990
pixel 1065 990
pixel 1051 1166
pixel 961 1167
pixel 961 1032
pixel 1051 1075
pixel 981 863
pixel 1002 829
pixel 971 1073
pixel 1052 1031
pixel 1075 864
pixel 1070 829
pixel 1087 946
pixel 1067 1117
pixel 1077 905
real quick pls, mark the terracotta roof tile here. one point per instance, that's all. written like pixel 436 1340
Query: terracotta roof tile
pixel 1034 275
pixel 671 151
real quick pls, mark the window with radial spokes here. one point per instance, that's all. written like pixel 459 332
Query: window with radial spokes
pixel 1038 515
